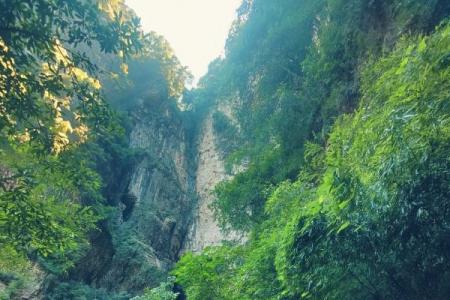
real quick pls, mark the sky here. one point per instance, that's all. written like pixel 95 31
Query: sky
pixel 196 29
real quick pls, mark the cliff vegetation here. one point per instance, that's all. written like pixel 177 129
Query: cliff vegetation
pixel 312 161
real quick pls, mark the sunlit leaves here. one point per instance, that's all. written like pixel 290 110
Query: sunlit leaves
pixel 367 218
pixel 44 75
pixel 41 210
pixel 388 165
pixel 50 100
pixel 163 292
pixel 177 75
pixel 208 275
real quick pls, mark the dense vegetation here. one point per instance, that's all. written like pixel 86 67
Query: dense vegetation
pixel 339 123
pixel 63 132
pixel 54 125
pixel 343 117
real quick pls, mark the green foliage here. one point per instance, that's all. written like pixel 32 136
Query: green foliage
pixel 162 292
pixel 358 213
pixel 152 84
pixel 153 76
pixel 14 285
pixel 240 201
pixel 294 86
pixel 63 149
pixel 176 75
pixel 46 88
pixel 366 216
pixel 79 291
pixel 41 203
pixel 15 272
pixel 225 131
pixel 211 274
pixel 49 100
pixel 383 192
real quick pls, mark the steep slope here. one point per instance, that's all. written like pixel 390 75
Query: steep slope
pixel 343 124
pixel 148 183
pixel 152 200
pixel 275 170
pixel 156 204
pixel 210 171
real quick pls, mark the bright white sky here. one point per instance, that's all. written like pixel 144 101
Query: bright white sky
pixel 196 29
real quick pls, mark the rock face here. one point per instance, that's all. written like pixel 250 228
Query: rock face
pixel 155 197
pixel 161 184
pixel 210 170
pixel 156 205
pixel 162 203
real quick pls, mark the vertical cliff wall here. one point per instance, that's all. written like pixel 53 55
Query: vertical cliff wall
pixel 162 202
pixel 210 170
pixel 153 205
pixel 156 205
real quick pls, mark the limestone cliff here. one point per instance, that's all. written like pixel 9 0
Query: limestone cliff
pixel 156 205
pixel 153 205
pixel 161 201
pixel 210 170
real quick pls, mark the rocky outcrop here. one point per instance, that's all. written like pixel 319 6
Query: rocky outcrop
pixel 153 205
pixel 149 232
pixel 162 203
pixel 210 170
pixel 161 184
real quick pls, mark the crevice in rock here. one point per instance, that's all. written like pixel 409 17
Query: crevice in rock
pixel 129 200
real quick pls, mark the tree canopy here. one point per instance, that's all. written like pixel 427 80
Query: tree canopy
pixel 342 119
pixel 49 92
pixel 50 98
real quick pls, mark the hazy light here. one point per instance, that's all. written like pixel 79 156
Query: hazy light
pixel 196 29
